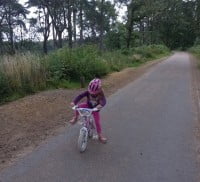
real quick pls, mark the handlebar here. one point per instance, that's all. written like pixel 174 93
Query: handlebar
pixel 78 108
pixel 84 111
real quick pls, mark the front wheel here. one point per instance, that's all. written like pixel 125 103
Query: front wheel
pixel 82 139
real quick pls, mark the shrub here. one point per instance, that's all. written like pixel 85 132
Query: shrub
pixel 195 50
pixel 151 51
pixel 4 87
pixel 27 73
pixel 72 64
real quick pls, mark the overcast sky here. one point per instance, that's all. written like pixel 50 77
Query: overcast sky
pixel 32 10
pixel 121 11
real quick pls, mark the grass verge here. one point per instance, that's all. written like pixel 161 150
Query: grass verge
pixel 24 74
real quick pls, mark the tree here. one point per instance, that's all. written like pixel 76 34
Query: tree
pixel 13 16
pixel 101 24
pixel 175 23
pixel 75 9
pixel 99 17
pixel 69 15
pixel 134 14
pixel 81 20
pixel 42 22
pixel 197 18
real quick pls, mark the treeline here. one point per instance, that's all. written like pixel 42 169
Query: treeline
pixel 175 23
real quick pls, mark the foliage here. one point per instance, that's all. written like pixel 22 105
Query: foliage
pixel 4 87
pixel 72 64
pixel 120 59
pixel 12 15
pixel 116 38
pixel 26 73
pixel 22 73
pixel 151 51
pixel 197 41
pixel 195 50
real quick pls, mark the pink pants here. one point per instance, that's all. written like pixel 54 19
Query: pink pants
pixel 95 115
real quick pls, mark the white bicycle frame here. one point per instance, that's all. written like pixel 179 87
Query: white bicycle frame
pixel 88 126
pixel 85 113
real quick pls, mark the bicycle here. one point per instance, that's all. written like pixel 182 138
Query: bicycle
pixel 88 126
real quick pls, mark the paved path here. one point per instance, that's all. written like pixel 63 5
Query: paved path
pixel 150 126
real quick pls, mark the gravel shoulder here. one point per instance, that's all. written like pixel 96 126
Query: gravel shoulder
pixel 195 67
pixel 29 121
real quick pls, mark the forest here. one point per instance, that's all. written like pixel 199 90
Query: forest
pixel 53 43
pixel 174 23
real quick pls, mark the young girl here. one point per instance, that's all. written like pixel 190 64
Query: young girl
pixel 95 99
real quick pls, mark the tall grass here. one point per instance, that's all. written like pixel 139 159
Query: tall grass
pixel 26 73
pixel 120 59
pixel 22 73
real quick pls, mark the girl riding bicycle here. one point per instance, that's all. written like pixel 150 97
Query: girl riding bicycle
pixel 95 99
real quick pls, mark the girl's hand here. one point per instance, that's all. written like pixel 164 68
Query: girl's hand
pixel 99 107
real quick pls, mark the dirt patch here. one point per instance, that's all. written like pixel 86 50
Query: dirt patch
pixel 27 122
pixel 196 90
pixel 196 99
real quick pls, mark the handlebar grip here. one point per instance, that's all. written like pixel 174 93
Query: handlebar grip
pixel 95 109
pixel 75 107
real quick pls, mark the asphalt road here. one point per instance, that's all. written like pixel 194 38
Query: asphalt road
pixel 149 124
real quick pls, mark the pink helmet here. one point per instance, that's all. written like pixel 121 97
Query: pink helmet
pixel 94 86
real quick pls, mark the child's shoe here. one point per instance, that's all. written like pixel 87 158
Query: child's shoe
pixel 73 120
pixel 102 139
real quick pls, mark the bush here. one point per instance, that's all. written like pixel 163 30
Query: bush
pixel 4 87
pixel 197 41
pixel 72 64
pixel 117 60
pixel 151 51
pixel 27 73
pixel 195 50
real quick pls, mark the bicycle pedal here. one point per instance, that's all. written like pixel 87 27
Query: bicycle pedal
pixel 95 137
pixel 80 123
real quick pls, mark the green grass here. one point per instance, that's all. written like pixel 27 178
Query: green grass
pixel 55 84
pixel 195 50
pixel 12 97
pixel 25 74
pixel 117 60
pixel 137 64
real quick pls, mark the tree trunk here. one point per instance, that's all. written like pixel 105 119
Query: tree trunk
pixel 129 25
pixel 74 24
pixel 69 24
pixel 141 32
pixel 1 42
pixel 93 32
pixel 46 31
pixel 45 46
pixel 59 39
pixel 54 37
pixel 81 21
pixel 12 51
pixel 101 25
pixel 198 17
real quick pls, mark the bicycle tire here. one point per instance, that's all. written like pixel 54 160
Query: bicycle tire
pixel 82 139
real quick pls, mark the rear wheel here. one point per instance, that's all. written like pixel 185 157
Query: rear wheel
pixel 90 133
pixel 91 128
